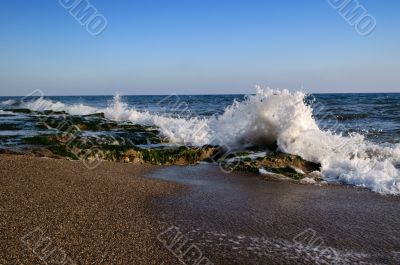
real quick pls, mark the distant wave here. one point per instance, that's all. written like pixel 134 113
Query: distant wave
pixel 264 118
pixel 10 102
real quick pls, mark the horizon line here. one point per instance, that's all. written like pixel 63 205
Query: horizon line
pixel 216 94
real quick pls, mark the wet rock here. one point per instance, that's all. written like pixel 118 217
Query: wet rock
pixel 51 143
pixel 52 112
pixel 39 140
pixel 96 115
pixel 91 148
pixel 26 111
pixel 307 180
pixel 291 162
pixel 272 176
pixel 291 166
pixel 160 156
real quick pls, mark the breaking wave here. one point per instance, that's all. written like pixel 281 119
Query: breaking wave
pixel 262 119
pixel 10 102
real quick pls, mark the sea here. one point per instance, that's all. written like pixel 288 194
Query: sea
pixel 355 137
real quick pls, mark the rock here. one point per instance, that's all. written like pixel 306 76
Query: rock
pixel 272 176
pixel 133 156
pixel 286 165
pixel 307 180
pixel 96 115
pixel 39 140
pixel 26 111
pixel 315 175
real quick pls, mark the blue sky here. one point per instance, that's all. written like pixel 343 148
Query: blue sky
pixel 197 47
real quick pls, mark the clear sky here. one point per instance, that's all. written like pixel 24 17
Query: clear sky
pixel 197 47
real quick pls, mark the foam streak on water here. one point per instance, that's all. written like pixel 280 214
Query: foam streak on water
pixel 264 118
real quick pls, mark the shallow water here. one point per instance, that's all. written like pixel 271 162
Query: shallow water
pixel 241 219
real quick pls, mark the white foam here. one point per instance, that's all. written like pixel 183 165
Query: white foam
pixel 261 119
pixel 267 173
pixel 5 112
pixel 9 102
pixel 75 109
pixel 282 116
pixel 307 180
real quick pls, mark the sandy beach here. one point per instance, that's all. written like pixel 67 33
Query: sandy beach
pixel 139 214
pixel 101 216
pixel 199 132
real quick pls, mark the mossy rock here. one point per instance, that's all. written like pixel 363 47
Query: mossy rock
pixel 181 155
pixel 39 140
pixel 284 164
pixel 63 151
pixel 288 172
pixel 159 156
pixel 281 160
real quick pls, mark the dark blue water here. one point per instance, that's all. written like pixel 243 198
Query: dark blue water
pixel 376 116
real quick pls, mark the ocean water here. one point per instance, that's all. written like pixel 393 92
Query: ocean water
pixel 355 137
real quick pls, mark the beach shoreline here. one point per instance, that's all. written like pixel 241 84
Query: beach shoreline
pixel 124 213
pixel 99 216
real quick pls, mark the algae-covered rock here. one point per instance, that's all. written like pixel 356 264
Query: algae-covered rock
pixel 39 140
pixel 95 124
pixel 176 156
pixel 133 156
pixel 89 148
pixel 291 166
pixel 296 163
pixel 52 143
pixel 160 156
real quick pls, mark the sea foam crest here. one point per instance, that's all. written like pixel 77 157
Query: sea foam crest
pixel 9 102
pixel 264 118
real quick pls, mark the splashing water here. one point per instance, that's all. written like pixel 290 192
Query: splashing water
pixel 260 120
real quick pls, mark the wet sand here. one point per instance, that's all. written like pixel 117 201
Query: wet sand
pixel 240 219
pixel 140 214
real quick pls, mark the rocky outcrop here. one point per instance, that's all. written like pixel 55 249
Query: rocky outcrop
pixel 92 137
